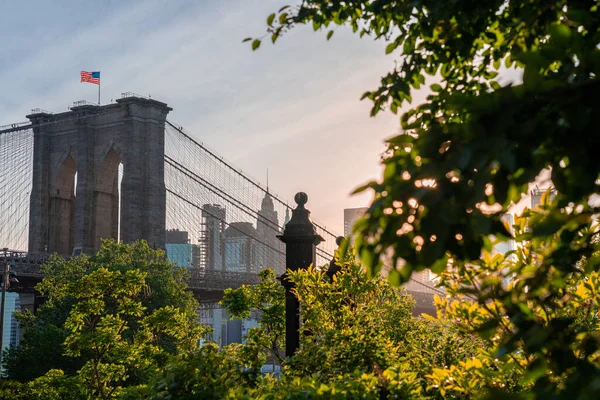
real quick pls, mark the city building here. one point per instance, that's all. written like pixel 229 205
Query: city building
pixel 175 236
pixel 179 249
pixel 215 317
pixel 11 334
pixel 180 254
pixel 270 251
pixel 421 286
pixel 240 247
pixel 537 193
pixel 212 237
pixel 351 215
pixel 507 245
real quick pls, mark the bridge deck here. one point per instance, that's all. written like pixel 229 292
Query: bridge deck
pixel 28 267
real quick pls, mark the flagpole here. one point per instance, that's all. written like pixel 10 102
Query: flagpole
pixel 98 92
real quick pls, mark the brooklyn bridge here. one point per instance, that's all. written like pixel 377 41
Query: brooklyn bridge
pixel 125 171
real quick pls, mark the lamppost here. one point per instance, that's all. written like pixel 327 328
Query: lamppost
pixel 301 240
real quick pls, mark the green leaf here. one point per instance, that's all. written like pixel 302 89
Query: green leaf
pixel 394 277
pixel 549 225
pixel 329 35
pixel 283 17
pixel 436 87
pixel 488 327
pixel 391 47
pixel 270 19
pixel 560 34
pixel 247 39
pixel 255 44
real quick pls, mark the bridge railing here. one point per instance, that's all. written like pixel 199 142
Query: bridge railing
pixel 41 111
pixel 81 103
pixel 220 280
pixel 23 263
pixel 19 126
pixel 126 95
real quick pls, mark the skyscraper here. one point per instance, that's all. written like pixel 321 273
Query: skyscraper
pixel 211 240
pixel 240 247
pixel 269 250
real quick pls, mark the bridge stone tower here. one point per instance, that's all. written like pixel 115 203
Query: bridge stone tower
pixel 75 194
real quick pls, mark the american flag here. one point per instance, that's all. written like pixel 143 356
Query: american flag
pixel 90 77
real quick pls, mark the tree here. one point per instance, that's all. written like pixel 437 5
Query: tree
pixel 41 346
pixel 128 310
pixel 358 340
pixel 469 152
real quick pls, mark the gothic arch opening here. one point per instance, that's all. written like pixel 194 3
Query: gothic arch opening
pixel 62 209
pixel 106 224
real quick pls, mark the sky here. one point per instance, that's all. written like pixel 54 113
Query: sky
pixel 292 108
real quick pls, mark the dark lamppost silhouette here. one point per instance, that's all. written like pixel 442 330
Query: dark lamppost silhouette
pixel 301 240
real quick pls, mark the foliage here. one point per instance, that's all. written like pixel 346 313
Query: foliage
pixel 510 299
pixel 266 300
pixel 393 383
pixel 165 284
pixel 358 340
pixel 208 373
pixel 128 310
pixel 469 152
pixel 40 347
pixel 351 322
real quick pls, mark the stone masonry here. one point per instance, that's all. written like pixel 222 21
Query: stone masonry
pixel 85 146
